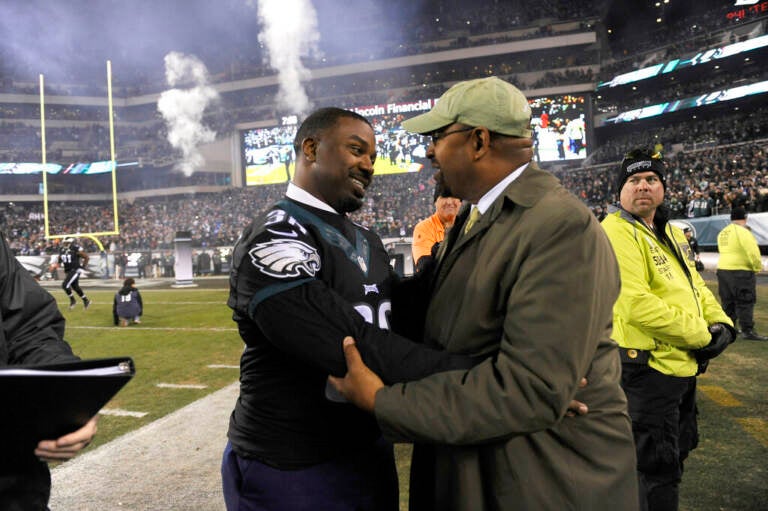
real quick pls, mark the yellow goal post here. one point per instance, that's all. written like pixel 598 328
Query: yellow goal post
pixel 91 235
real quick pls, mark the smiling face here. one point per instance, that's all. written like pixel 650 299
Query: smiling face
pixel 642 194
pixel 447 208
pixel 340 164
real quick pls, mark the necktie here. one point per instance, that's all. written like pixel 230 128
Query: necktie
pixel 473 216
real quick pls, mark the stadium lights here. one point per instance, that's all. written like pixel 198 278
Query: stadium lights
pixel 658 20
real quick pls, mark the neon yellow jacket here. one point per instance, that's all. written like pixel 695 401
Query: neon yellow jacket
pixel 738 249
pixel 661 307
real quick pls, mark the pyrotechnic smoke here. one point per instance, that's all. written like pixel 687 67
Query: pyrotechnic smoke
pixel 183 109
pixel 289 31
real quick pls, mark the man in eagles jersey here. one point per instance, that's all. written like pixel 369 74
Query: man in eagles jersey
pixel 303 277
pixel 70 257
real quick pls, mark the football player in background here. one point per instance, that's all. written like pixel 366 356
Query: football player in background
pixel 74 259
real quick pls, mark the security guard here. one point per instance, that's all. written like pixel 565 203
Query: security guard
pixel 739 261
pixel 667 323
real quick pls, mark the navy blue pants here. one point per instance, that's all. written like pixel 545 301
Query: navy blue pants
pixel 362 481
pixel 737 295
pixel 663 412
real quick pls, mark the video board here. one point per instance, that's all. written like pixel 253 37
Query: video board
pixel 96 167
pixel 692 59
pixel 709 98
pixel 268 155
pixel 560 126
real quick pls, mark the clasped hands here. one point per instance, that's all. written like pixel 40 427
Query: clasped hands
pixel 360 385
pixel 722 337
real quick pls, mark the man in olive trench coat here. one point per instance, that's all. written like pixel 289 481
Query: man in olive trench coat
pixel 532 283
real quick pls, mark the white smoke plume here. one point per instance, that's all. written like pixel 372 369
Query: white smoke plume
pixel 183 108
pixel 289 31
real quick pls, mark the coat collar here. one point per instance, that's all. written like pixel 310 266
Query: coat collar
pixel 524 191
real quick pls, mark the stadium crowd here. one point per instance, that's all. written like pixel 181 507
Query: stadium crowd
pixel 700 183
pixel 714 164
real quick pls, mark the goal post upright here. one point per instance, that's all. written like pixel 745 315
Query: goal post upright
pixel 91 235
pixel 112 144
pixel 44 161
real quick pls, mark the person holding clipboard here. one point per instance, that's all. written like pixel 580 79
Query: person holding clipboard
pixel 31 333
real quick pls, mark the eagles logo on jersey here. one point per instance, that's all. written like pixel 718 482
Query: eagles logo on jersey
pixel 284 258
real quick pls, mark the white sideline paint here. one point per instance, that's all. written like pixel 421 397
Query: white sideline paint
pixel 222 366
pixel 171 464
pixel 121 413
pixel 180 386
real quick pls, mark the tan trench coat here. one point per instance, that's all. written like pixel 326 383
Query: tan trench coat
pixel 533 284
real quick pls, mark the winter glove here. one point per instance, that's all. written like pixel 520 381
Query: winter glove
pixel 722 336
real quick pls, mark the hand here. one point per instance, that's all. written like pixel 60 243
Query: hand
pixel 721 338
pixel 67 446
pixel 360 384
pixel 577 407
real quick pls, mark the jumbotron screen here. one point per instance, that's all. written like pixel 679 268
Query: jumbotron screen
pixel 268 155
pixel 559 124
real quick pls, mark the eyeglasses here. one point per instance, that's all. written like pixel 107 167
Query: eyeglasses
pixel 437 135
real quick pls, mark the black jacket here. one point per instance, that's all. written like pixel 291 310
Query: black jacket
pixel 31 332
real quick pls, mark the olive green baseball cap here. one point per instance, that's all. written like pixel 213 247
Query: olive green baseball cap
pixel 488 102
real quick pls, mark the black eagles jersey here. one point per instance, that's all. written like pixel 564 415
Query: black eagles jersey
pixel 302 279
pixel 70 258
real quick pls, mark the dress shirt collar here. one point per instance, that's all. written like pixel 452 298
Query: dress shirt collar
pixel 486 200
pixel 300 195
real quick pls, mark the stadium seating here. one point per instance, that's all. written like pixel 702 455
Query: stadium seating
pixel 718 149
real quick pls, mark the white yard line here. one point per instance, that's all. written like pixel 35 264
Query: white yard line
pixel 222 366
pixel 121 413
pixel 180 386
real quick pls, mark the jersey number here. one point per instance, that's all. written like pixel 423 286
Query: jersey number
pixel 379 318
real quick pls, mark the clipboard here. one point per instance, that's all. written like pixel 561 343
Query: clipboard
pixel 44 402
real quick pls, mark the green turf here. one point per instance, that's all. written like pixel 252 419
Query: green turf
pixel 182 332
pixel 728 472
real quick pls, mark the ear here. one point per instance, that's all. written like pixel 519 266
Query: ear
pixel 309 148
pixel 481 142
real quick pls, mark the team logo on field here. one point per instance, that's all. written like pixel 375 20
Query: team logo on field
pixel 285 258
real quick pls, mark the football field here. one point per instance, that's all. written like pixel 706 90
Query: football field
pixel 187 347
